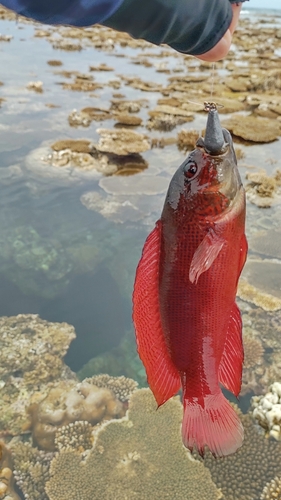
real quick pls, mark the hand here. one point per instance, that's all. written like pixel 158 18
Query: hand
pixel 220 50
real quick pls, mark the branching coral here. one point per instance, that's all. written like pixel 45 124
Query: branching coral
pixel 31 470
pixel 242 476
pixel 122 386
pixel 272 490
pixel 7 491
pixel 67 403
pixel 140 456
pixel 77 436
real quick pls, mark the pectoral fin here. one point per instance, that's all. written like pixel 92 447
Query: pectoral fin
pixel 205 255
pixel 162 376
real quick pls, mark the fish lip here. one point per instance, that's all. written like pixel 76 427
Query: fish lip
pixel 227 149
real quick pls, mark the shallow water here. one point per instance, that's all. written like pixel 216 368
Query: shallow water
pixel 58 258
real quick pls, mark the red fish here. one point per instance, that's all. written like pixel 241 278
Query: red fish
pixel 188 326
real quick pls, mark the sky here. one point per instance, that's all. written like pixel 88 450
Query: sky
pixel 263 4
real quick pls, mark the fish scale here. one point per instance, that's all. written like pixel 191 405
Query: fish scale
pixel 188 326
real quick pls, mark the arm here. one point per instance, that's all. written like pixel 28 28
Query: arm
pixel 197 27
pixel 70 12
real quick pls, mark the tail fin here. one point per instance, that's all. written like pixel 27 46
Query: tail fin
pixel 213 423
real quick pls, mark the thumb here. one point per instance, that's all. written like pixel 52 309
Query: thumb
pixel 220 50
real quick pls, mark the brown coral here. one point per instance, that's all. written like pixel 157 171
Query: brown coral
pixel 242 476
pixel 121 141
pixel 127 119
pixel 187 139
pixel 272 490
pixel 75 145
pixel 140 456
pixel 67 403
pixel 265 186
pixel 251 128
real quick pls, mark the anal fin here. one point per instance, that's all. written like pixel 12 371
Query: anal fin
pixel 163 377
pixel 230 371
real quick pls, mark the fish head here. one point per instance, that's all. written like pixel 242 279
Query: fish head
pixel 207 182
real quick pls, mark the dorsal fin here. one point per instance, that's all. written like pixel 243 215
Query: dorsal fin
pixel 162 376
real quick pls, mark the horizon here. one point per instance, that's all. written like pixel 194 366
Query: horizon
pixel 260 4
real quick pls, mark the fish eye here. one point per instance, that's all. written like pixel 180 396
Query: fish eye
pixel 190 170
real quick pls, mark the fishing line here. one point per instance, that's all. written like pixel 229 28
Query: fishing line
pixel 207 105
pixel 212 79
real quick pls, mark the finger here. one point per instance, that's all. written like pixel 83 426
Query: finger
pixel 221 49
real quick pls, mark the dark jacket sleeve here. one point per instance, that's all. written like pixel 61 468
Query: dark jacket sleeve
pixel 189 26
pixel 70 12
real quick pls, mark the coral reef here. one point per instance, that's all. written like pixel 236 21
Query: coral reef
pixel 187 139
pixel 267 411
pixel 262 189
pixel 77 436
pixel 250 293
pixel 121 141
pixel 251 128
pixel 242 476
pixel 127 119
pixel 7 487
pixel 125 106
pixel 75 146
pixel 69 402
pixel 122 386
pixel 140 456
pixel 87 115
pixel 26 370
pixel 272 490
pixel 165 117
pixel 31 470
pixel 36 86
